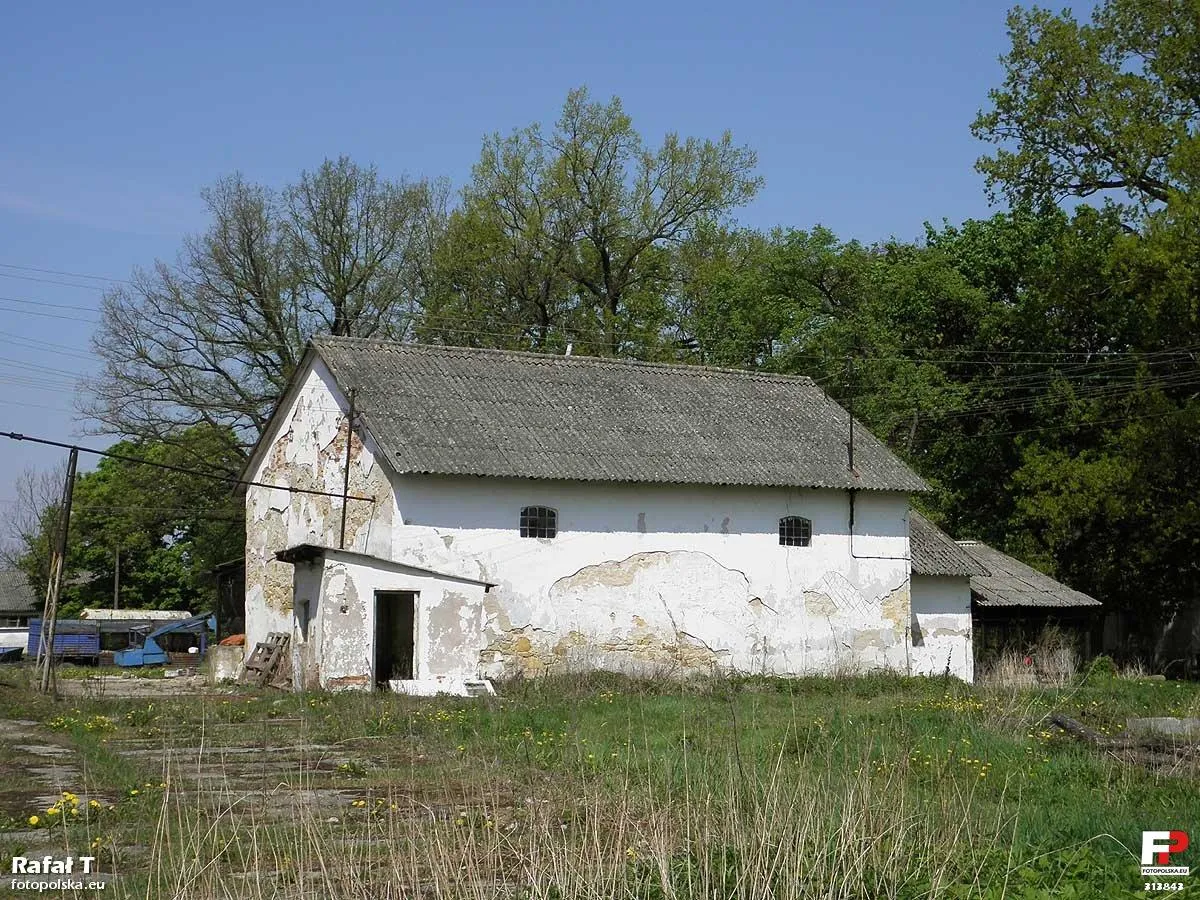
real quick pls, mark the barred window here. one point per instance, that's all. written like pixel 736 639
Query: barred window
pixel 795 531
pixel 539 522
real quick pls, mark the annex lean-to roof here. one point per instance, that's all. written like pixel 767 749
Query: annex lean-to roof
pixel 308 553
pixel 934 552
pixel 460 411
pixel 1010 582
pixel 996 578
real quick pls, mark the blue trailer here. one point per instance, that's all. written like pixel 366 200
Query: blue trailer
pixel 74 639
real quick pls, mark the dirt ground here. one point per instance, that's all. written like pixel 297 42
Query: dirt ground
pixel 95 687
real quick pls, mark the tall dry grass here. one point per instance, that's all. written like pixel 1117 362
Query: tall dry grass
pixel 711 827
pixel 1052 660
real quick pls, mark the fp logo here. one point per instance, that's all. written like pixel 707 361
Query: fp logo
pixel 1157 848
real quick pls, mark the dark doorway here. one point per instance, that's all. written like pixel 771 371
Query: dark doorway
pixel 395 643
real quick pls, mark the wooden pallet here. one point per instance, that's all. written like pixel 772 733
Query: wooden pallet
pixel 266 659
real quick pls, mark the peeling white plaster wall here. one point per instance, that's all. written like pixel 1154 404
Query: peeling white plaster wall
pixel 306 448
pixel 663 577
pixel 941 632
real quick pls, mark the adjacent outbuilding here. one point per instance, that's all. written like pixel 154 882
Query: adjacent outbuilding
pixel 942 575
pixel 18 604
pixel 1013 603
pixel 971 602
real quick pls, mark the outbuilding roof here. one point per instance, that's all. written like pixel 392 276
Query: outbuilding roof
pixel 934 552
pixel 16 594
pixel 1010 582
pixel 460 411
pixel 116 615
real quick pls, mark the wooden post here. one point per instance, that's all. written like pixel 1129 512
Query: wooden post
pixel 47 683
pixel 346 472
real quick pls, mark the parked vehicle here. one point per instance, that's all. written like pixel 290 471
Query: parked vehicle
pixel 150 653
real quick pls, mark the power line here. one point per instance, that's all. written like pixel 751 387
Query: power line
pixel 38 344
pixel 85 287
pixel 64 274
pixel 16 436
pixel 46 315
pixel 1064 425
pixel 51 305
pixel 41 406
pixel 21 364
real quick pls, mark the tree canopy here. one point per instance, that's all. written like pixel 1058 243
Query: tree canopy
pixel 1109 106
pixel 143 536
pixel 572 232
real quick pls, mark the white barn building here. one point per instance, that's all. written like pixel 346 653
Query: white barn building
pixel 516 513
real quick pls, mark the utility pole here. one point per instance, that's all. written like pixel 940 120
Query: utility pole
pixel 346 471
pixel 46 681
pixel 117 577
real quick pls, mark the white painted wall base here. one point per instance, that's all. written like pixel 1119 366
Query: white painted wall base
pixel 432 687
pixel 941 626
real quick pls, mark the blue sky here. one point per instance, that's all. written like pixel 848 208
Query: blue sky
pixel 115 115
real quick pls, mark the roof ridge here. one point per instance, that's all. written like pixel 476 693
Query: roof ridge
pixel 557 358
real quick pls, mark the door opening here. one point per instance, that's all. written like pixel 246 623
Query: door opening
pixel 395 635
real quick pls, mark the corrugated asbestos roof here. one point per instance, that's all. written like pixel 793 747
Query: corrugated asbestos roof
pixel 934 552
pixel 16 595
pixel 459 411
pixel 1012 583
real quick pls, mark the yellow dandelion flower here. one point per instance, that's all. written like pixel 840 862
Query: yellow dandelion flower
pixel 33 820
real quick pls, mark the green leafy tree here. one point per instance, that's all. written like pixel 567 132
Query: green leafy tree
pixel 164 529
pixel 1111 105
pixel 754 300
pixel 571 230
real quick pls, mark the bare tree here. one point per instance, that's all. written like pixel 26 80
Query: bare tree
pixel 214 337
pixel 25 526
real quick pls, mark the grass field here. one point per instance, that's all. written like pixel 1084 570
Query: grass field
pixel 599 786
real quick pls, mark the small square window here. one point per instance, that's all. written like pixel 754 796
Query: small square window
pixel 539 522
pixel 795 531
